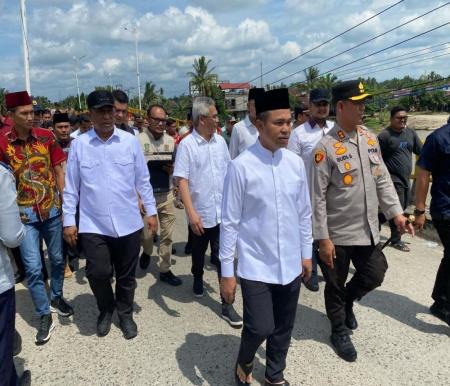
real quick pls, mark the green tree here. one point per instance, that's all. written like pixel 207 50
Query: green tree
pixel 327 81
pixel 311 76
pixel 202 78
pixel 150 95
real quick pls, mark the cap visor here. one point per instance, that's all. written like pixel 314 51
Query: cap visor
pixel 360 97
pixel 100 105
pixel 320 100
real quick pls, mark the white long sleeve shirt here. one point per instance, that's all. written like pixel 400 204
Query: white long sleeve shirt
pixel 103 177
pixel 243 136
pixel 304 139
pixel 266 215
pixel 204 164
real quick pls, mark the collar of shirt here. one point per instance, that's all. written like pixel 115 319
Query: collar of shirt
pixel 313 124
pixel 200 139
pixel 266 154
pixel 12 135
pixel 114 137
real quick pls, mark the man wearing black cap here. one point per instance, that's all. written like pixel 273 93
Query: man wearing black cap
pixel 101 163
pixel 61 129
pixel 301 115
pixel 348 182
pixel 302 142
pixel 266 185
pixel 245 133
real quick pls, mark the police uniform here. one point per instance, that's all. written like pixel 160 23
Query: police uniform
pixel 161 149
pixel 348 182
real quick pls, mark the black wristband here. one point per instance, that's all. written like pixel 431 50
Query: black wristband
pixel 418 212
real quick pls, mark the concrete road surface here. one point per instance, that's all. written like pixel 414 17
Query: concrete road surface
pixel 183 341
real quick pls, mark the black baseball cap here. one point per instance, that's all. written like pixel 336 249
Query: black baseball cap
pixel 319 95
pixel 350 89
pixel 100 98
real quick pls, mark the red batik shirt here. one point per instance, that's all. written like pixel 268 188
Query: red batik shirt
pixel 32 162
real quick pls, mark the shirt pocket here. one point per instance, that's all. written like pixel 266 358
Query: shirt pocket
pixel 375 165
pixel 348 173
pixel 124 164
pixel 89 170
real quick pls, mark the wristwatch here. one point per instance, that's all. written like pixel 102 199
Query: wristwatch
pixel 418 212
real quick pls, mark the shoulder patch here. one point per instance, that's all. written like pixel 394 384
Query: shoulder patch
pixel 319 156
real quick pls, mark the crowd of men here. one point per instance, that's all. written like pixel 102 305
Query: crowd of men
pixel 281 194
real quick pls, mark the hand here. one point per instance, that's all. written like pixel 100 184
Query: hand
pixel 228 289
pixel 141 207
pixel 327 252
pixel 306 270
pixel 152 224
pixel 420 221
pixel 196 224
pixel 70 234
pixel 403 225
pixel 168 168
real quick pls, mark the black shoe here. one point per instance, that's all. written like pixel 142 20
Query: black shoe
pixel 440 312
pixel 144 261
pixel 17 345
pixel 350 319
pixel 61 307
pixel 197 288
pixel 128 327
pixel 285 383
pixel 312 284
pixel 188 249
pixel 19 277
pixel 46 327
pixel 104 323
pixel 231 316
pixel 174 251
pixel 344 347
pixel 169 278
pixel 25 378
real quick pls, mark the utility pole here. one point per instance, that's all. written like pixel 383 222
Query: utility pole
pixel 26 56
pixel 134 30
pixel 77 60
pixel 261 77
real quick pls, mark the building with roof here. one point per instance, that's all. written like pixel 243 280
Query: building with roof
pixel 236 96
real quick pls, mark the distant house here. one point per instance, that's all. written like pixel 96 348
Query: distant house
pixel 236 95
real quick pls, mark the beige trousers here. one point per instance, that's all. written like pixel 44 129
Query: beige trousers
pixel 166 218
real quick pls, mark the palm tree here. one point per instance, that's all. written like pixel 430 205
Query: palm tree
pixel 202 78
pixel 149 94
pixel 311 75
pixel 327 81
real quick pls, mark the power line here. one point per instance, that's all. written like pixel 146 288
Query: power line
pixel 407 55
pixel 364 57
pixel 401 65
pixel 326 42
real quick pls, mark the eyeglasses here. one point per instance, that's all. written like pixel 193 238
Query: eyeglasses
pixel 159 121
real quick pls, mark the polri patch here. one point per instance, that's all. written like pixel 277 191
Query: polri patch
pixel 319 156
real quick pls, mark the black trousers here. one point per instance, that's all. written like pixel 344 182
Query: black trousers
pixel 441 290
pixel 8 375
pixel 403 196
pixel 269 314
pixel 102 254
pixel 199 247
pixel 371 266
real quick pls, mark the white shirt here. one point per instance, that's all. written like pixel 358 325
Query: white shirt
pixel 266 213
pixel 103 177
pixel 204 164
pixel 243 136
pixel 77 132
pixel 304 139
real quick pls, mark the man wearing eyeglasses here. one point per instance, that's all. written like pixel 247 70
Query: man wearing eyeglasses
pixel 397 143
pixel 159 148
pixel 302 142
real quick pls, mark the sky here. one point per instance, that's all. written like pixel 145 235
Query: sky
pixel 236 35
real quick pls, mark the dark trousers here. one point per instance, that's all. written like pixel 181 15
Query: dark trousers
pixel 403 196
pixel 371 266
pixel 8 375
pixel 269 313
pixel 102 254
pixel 199 247
pixel 441 290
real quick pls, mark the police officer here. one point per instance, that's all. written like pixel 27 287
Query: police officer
pixel 348 182
pixel 435 161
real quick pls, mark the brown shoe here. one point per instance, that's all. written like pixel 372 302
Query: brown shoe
pixel 67 271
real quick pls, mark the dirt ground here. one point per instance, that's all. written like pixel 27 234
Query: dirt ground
pixel 427 121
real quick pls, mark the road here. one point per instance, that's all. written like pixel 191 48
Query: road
pixel 182 340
